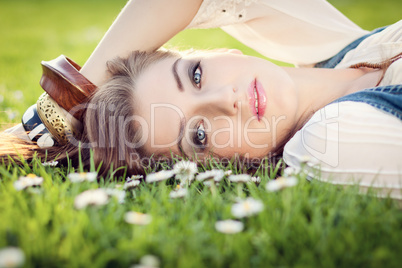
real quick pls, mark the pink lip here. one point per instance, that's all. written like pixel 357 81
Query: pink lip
pixel 262 99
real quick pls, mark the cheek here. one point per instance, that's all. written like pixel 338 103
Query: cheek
pixel 251 138
pixel 256 137
pixel 222 134
pixel 163 124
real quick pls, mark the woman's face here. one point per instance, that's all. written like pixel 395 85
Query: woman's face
pixel 224 103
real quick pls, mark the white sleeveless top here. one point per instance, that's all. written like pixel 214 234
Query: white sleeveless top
pixel 353 142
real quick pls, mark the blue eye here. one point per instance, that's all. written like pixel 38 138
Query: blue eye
pixel 197 75
pixel 201 136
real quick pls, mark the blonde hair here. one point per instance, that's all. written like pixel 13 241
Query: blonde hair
pixel 113 135
pixel 105 128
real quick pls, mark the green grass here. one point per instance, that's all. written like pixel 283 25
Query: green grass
pixel 310 225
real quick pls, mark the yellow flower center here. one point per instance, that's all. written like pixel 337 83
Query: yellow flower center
pixel 10 263
pixel 246 206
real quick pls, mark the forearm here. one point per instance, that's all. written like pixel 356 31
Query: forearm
pixel 141 25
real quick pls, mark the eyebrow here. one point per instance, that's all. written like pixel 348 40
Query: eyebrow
pixel 181 135
pixel 176 75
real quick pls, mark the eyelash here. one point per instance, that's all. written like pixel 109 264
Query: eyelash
pixel 192 73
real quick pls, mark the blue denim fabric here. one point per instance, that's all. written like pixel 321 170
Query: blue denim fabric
pixel 386 98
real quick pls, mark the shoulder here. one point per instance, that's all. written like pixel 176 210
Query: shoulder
pixel 349 140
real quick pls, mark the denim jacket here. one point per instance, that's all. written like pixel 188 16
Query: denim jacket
pixel 385 98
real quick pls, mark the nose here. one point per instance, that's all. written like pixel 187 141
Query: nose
pixel 221 99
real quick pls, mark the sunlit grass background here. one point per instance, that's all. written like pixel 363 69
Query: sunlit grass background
pixel 312 224
pixel 36 30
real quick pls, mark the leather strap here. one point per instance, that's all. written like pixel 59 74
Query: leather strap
pixel 62 80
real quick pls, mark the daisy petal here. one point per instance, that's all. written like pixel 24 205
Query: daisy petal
pixel 229 226
pixel 280 183
pixel 159 176
pixel 82 176
pixel 185 170
pixel 240 178
pixel 30 180
pixel 182 192
pixel 247 208
pixel 138 218
pixel 11 257
pixel 214 174
pixel 94 197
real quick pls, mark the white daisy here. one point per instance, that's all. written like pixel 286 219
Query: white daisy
pixel 148 261
pixel 214 174
pixel 29 180
pixel 228 172
pixel 159 176
pixel 11 257
pixel 229 226
pixel 247 207
pixel 179 193
pixel 255 179
pixel 240 178
pixel 280 183
pixel 94 197
pixel 210 183
pixel 130 184
pixel 50 164
pixel 289 171
pixel 82 176
pixel 135 177
pixel 118 194
pixel 138 218
pixel 185 170
pixel 118 186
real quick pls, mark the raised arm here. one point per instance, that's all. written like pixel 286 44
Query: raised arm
pixel 141 25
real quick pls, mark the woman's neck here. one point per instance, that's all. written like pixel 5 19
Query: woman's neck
pixel 319 87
